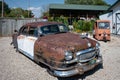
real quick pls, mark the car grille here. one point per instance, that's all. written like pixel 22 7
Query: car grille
pixel 86 55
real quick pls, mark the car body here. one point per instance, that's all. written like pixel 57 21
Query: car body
pixel 65 53
pixel 102 30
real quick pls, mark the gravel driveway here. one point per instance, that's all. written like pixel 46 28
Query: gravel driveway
pixel 15 66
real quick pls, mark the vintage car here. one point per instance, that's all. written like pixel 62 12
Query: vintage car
pixel 102 30
pixel 63 52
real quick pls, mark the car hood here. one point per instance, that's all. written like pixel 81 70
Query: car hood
pixel 65 41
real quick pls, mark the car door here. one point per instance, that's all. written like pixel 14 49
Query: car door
pixel 21 37
pixel 29 41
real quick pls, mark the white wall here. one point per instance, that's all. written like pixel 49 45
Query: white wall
pixel 112 17
pixel 107 16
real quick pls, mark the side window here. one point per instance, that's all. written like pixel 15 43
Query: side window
pixel 33 31
pixel 45 29
pixel 54 28
pixel 23 30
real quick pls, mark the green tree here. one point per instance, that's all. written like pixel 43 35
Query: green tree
pixel 6 9
pixel 45 13
pixel 20 13
pixel 86 2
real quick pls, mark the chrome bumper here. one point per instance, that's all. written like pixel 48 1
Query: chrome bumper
pixel 78 69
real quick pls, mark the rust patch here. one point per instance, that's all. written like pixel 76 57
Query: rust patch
pixel 53 46
pixel 31 39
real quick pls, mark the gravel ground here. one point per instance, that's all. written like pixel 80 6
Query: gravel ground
pixel 15 66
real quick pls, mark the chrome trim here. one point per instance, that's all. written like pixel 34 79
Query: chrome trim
pixel 86 59
pixel 79 53
pixel 26 54
pixel 78 69
pixel 66 73
pixel 85 51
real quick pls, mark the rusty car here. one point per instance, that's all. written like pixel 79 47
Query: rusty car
pixel 102 30
pixel 63 52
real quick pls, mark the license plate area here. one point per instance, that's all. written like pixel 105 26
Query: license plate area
pixel 91 62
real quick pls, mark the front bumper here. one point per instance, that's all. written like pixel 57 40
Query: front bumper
pixel 78 69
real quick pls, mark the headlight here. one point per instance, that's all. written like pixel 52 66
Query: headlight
pixel 68 55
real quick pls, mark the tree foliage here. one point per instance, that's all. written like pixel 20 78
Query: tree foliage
pixel 15 12
pixel 6 9
pixel 20 13
pixel 86 2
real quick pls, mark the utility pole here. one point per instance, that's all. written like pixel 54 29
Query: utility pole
pixel 2 15
pixel 28 8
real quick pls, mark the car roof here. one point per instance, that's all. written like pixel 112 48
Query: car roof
pixel 39 24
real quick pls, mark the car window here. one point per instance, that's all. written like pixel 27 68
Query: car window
pixel 50 29
pixel 54 29
pixel 62 28
pixel 45 29
pixel 33 31
pixel 23 30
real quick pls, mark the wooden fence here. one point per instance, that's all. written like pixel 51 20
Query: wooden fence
pixel 8 25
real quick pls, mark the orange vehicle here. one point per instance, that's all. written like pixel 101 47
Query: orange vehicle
pixel 102 30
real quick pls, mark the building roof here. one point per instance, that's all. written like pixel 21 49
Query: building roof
pixel 114 5
pixel 78 7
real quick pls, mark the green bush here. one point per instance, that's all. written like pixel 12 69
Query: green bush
pixel 83 26
pixel 79 26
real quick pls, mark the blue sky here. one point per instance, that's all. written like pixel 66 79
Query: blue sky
pixel 37 6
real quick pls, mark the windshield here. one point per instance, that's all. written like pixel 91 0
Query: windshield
pixel 104 25
pixel 51 29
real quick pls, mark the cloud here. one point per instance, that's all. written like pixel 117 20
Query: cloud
pixel 37 11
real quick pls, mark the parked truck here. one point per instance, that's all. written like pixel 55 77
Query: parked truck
pixel 101 30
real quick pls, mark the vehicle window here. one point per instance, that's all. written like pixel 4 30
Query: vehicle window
pixel 24 30
pixel 103 25
pixel 45 29
pixel 33 31
pixel 20 31
pixel 54 29
pixel 63 28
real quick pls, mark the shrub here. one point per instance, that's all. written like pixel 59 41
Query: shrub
pixel 83 26
pixel 79 26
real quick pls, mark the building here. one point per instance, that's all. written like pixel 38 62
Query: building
pixel 72 10
pixel 114 17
